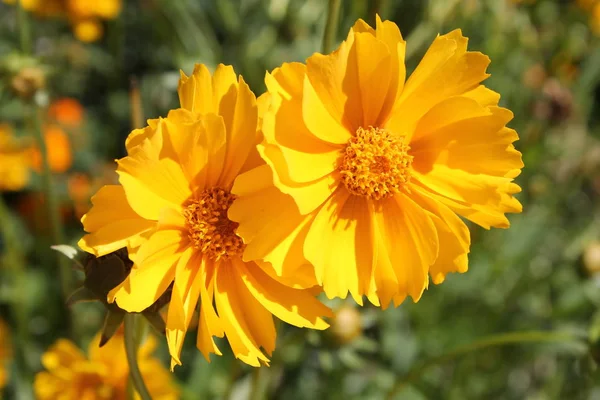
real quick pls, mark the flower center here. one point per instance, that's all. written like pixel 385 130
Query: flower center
pixel 209 229
pixel 375 163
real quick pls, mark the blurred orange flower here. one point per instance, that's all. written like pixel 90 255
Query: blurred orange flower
pixel 59 150
pixel 103 374
pixel 66 111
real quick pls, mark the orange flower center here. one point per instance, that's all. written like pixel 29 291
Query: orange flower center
pixel 209 229
pixel 375 163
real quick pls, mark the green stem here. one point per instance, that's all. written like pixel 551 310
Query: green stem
pixel 56 229
pixel 13 260
pixel 333 16
pixel 131 347
pixel 23 26
pixel 490 341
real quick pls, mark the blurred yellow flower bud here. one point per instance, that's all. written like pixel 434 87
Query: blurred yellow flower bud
pixel 346 324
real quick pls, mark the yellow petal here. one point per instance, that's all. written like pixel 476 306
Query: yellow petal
pixel 137 136
pixel 275 233
pixel 154 270
pixel 287 80
pixel 307 157
pixel 200 145
pixel 111 222
pixel 353 82
pixel 453 235
pixel 446 70
pixel 294 306
pixel 307 196
pixel 151 185
pixel 241 131
pixel 319 121
pixel 195 92
pixel 482 199
pixel 258 318
pixel 484 96
pixel 339 245
pixel 230 312
pixel 411 244
pixel 462 134
pixel 210 324
pixel 185 295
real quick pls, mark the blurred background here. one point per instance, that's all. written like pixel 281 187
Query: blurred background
pixel 523 323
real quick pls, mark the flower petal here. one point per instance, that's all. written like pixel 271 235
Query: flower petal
pixel 308 195
pixel 154 269
pixel 294 306
pixel 184 297
pixel 195 92
pixel 151 185
pixel 307 157
pixel 210 324
pixel 230 312
pixel 453 234
pixel 272 228
pixel 111 222
pixel 352 82
pixel 447 69
pixel 411 243
pixel 339 245
pixel 241 132
pixel 483 199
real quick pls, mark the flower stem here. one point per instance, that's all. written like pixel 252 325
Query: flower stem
pixel 490 341
pixel 131 347
pixel 56 229
pixel 333 16
pixel 23 26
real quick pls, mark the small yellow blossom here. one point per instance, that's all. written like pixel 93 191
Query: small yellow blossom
pixel 102 374
pixel 15 160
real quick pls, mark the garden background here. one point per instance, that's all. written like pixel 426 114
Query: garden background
pixel 522 323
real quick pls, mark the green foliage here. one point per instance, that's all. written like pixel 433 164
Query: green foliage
pixel 530 278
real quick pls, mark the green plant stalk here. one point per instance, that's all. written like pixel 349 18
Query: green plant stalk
pixel 131 347
pixel 14 261
pixel 56 229
pixel 24 31
pixel 502 339
pixel 331 26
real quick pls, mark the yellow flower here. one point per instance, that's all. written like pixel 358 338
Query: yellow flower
pixel 378 168
pixel 170 210
pixel 5 354
pixel 103 374
pixel 15 160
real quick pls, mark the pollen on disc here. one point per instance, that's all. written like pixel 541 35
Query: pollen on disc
pixel 375 163
pixel 209 228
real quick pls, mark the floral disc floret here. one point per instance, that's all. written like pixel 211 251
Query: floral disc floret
pixel 375 163
pixel 209 229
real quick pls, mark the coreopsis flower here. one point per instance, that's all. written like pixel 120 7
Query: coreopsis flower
pixel 58 148
pixel 5 354
pixel 378 169
pixel 66 111
pixel 103 374
pixel 170 211
pixel 15 161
